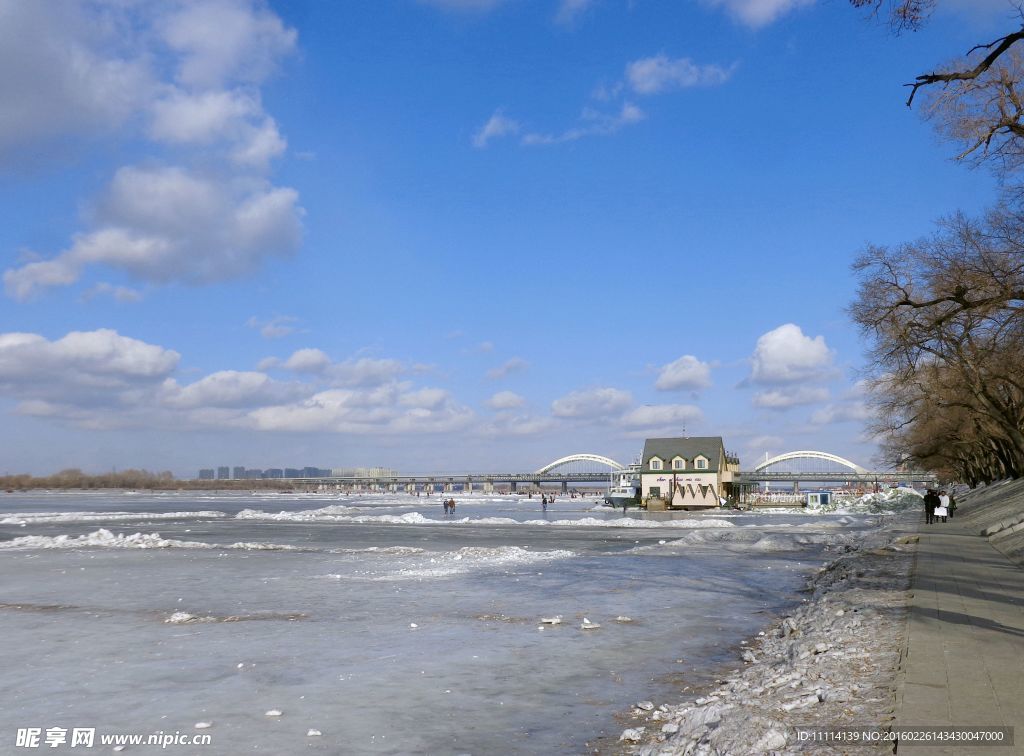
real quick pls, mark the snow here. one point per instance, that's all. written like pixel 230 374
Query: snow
pixel 42 518
pixel 417 518
pixel 105 539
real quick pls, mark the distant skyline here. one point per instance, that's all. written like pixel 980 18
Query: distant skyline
pixel 450 234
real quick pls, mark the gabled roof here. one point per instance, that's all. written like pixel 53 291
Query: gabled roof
pixel 711 447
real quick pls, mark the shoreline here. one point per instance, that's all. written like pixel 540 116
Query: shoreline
pixel 832 662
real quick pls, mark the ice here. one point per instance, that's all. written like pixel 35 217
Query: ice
pixel 220 620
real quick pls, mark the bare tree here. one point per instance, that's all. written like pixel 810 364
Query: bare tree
pixel 945 320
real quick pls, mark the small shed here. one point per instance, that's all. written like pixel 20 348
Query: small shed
pixel 817 499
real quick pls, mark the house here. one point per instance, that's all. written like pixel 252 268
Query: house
pixel 687 472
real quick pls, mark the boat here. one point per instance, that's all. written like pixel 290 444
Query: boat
pixel 626 491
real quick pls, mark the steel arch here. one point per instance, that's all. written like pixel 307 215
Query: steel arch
pixel 811 455
pixel 581 458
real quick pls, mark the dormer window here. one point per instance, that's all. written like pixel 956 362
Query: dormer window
pixel 655 463
pixel 678 463
pixel 701 463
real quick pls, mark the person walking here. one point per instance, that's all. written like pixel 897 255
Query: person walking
pixel 952 504
pixel 943 509
pixel 930 502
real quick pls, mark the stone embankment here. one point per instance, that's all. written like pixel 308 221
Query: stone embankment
pixel 997 513
pixel 831 663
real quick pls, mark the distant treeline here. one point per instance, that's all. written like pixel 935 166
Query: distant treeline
pixel 135 479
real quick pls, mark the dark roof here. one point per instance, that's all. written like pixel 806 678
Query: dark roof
pixel 689 448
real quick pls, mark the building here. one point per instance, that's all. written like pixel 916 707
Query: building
pixel 687 472
pixel 363 472
pixel 238 473
pixel 206 473
pixel 223 473
pixel 273 473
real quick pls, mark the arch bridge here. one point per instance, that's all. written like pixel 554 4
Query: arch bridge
pixel 581 460
pixel 822 467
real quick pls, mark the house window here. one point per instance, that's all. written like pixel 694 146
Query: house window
pixel 702 464
pixel 656 491
pixel 655 463
pixel 678 463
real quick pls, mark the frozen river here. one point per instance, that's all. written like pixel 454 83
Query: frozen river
pixel 375 620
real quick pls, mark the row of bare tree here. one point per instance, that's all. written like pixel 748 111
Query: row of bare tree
pixel 944 315
pixel 130 479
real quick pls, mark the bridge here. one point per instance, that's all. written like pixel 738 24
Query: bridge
pixel 807 466
pixel 794 467
pixel 574 469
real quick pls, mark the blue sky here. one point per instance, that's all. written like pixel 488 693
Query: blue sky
pixel 450 234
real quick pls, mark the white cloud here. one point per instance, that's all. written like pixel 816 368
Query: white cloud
pixel 497 126
pixel 228 388
pixel 102 352
pixel 786 355
pixel 505 400
pixel 102 380
pixel 783 398
pixel 425 398
pixel 234 117
pixel 512 365
pixel 758 13
pixel 845 412
pixel 165 224
pixel 661 415
pixel 276 327
pixel 78 69
pixel 660 73
pixel 75 68
pixel 507 424
pixel 65 72
pixel 85 368
pixel 687 372
pixel 199 118
pixel 592 123
pixel 219 41
pixel 592 403
pixel 118 293
pixel 307 361
pixel 365 371
pixel 756 449
pixel 474 6
pixel 570 10
pixel 369 412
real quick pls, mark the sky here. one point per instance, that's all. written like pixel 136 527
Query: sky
pixel 451 235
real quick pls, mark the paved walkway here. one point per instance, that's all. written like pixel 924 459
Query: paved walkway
pixel 964 662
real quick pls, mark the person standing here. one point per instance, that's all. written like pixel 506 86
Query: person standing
pixel 952 504
pixel 943 509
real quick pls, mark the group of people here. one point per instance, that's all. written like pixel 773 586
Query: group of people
pixel 449 506
pixel 938 504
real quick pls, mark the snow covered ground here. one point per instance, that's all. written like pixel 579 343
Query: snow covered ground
pixel 377 621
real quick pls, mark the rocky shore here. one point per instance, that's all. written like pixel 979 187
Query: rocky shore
pixel 831 663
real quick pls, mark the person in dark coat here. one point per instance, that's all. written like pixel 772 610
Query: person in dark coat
pixel 931 500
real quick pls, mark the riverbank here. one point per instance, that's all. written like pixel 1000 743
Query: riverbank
pixel 831 663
